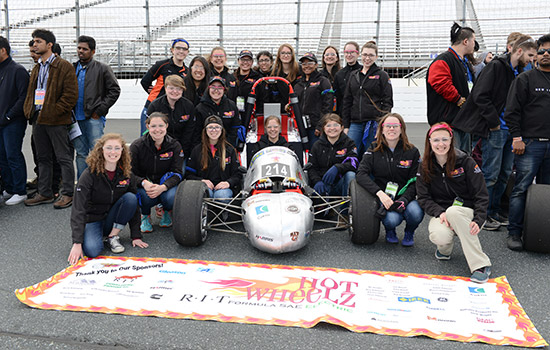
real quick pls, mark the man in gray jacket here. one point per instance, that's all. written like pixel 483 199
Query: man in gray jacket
pixel 98 90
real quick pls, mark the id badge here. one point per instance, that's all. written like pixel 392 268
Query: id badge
pixel 39 95
pixel 458 202
pixel 470 85
pixel 391 189
pixel 240 103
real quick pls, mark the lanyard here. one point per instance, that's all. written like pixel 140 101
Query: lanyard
pixel 465 63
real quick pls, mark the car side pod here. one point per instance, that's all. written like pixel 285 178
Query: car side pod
pixel 365 226
pixel 190 213
pixel 278 222
pixel 536 222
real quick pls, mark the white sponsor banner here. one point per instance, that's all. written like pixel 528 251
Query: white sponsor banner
pixel 440 307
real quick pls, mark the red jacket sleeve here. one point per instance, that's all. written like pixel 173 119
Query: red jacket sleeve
pixel 441 81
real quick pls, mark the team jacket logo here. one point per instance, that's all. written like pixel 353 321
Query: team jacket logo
pixel 123 183
pixel 167 155
pixel 181 154
pixel 227 160
pixel 405 163
pixel 477 169
pixel 228 114
pixel 315 83
pixel 250 80
pixel 341 152
pixel 184 118
pixel 232 83
pixel 457 172
pixel 374 77
pixel 294 235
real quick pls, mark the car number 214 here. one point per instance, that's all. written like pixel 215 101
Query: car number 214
pixel 275 169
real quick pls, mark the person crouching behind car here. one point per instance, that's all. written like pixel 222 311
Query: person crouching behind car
pixel 451 188
pixel 105 201
pixel 388 170
pixel 333 158
pixel 157 159
pixel 214 161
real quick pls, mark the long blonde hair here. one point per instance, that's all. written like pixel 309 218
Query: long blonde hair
pixel 278 66
pixel 96 160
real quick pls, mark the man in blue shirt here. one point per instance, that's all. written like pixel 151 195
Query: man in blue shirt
pixel 98 90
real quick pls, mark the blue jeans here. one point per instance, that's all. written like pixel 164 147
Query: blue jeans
pixel 142 118
pixel 413 215
pixel 120 213
pixel 166 199
pixel 341 187
pixel 463 141
pixel 224 193
pixel 356 132
pixel 535 162
pixel 92 130
pixel 311 137
pixel 498 160
pixel 12 162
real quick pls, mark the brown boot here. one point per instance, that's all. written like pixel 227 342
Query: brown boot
pixel 63 202
pixel 38 199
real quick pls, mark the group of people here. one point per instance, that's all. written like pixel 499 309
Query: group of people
pixel 191 127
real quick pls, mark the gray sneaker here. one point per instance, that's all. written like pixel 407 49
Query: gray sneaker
pixel 481 275
pixel 440 256
pixel 114 242
pixel 491 225
pixel 503 221
pixel 514 242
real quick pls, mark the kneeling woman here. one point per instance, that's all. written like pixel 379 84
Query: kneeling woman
pixel 214 161
pixel 451 188
pixel 157 160
pixel 333 158
pixel 104 201
pixel 388 170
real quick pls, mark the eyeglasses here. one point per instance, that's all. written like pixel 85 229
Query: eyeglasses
pixel 392 125
pixel 111 148
pixel 213 128
pixel 264 60
pixel 307 64
pixel 286 53
pixel 330 54
pixel 174 88
pixel 332 125
pixel 443 139
pixel 197 68
pixel 273 127
pixel 181 48
pixel 542 51
pixel 368 55
pixel 350 52
pixel 216 88
pixel 218 55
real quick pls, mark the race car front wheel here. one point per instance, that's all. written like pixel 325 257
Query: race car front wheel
pixel 537 219
pixel 365 226
pixel 190 213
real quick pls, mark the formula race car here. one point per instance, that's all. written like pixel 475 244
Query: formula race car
pixel 276 208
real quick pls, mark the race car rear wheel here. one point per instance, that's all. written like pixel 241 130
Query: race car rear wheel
pixel 365 227
pixel 537 219
pixel 190 213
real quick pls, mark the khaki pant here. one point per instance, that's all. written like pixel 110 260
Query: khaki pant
pixel 459 218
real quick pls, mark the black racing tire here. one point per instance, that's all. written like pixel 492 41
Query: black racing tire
pixel 190 213
pixel 537 219
pixel 365 226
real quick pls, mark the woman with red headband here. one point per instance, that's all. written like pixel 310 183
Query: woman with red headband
pixel 451 188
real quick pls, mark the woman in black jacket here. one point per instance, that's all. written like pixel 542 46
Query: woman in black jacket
pixel 388 170
pixel 218 66
pixel 368 97
pixel 180 112
pixel 333 158
pixel 330 63
pixel 214 161
pixel 265 63
pixel 104 201
pixel 315 95
pixel 451 189
pixel 196 81
pixel 157 160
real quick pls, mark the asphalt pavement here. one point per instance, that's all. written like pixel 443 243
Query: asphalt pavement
pixel 36 241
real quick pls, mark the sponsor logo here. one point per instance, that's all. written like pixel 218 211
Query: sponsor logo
pixel 457 172
pixel 294 235
pixel 261 209
pixel 123 183
pixel 172 271
pixel 476 290
pixel 413 299
pixel 484 320
pixel 405 164
pixel 293 209
pixel 442 300
pixel 276 159
pixel 165 281
pixel 264 238
pixel 105 265
pixel 184 118
pixel 400 310
pixel 435 308
pixel 205 269
pixel 84 282
pixel 166 156
pixel 430 318
pixel 125 279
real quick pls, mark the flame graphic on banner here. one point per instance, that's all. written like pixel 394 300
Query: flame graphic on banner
pixel 239 287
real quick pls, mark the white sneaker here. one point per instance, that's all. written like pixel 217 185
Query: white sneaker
pixel 114 242
pixel 16 199
pixel 6 195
